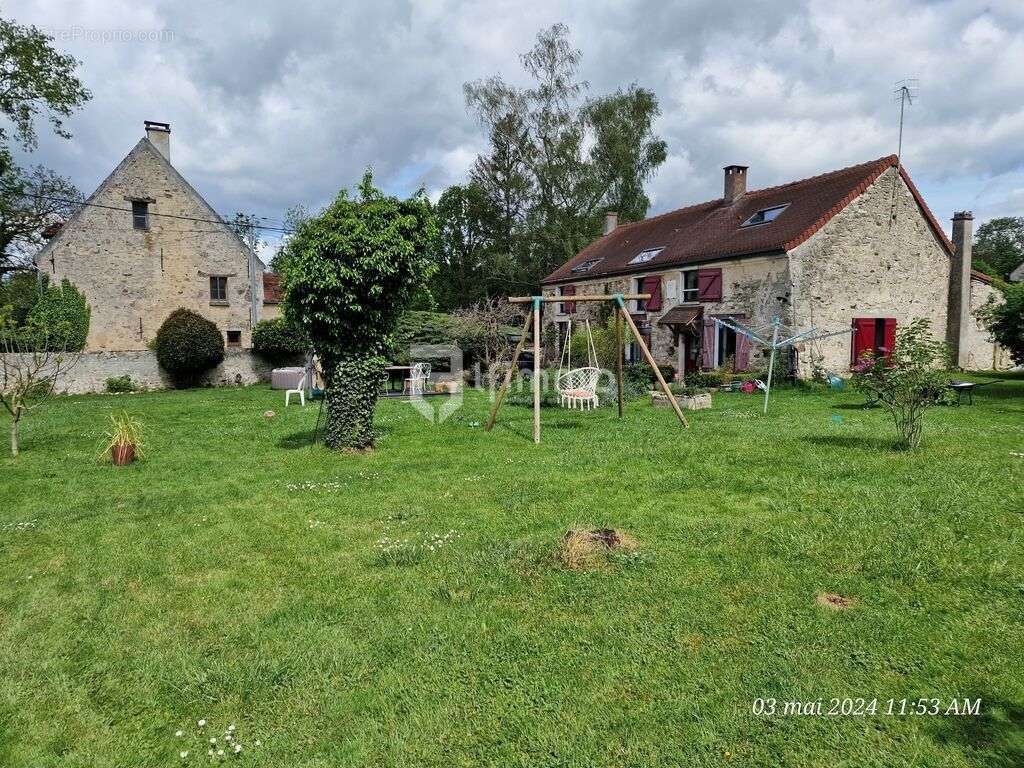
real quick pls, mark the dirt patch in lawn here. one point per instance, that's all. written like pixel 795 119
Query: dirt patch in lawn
pixel 835 602
pixel 588 549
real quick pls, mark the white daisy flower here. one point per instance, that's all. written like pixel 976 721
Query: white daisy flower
pixel 179 734
pixel 202 723
pixel 183 754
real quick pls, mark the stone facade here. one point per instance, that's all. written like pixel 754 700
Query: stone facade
pixel 90 374
pixel 133 277
pixel 979 352
pixel 857 265
pixel 751 289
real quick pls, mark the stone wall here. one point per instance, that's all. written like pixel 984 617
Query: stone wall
pixel 133 279
pixel 980 352
pixel 857 265
pixel 90 374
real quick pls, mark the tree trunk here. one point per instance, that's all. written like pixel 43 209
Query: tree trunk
pixel 351 397
pixel 14 435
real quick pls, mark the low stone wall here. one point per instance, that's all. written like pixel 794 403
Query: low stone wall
pixel 90 374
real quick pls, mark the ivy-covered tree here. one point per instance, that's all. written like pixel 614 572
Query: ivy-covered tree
pixel 1004 319
pixel 347 276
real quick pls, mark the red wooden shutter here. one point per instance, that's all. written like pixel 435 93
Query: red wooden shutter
pixel 709 285
pixel 863 337
pixel 652 285
pixel 568 306
pixel 707 345
pixel 742 352
pixel 890 336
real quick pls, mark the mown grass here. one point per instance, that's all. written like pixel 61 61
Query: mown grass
pixel 236 575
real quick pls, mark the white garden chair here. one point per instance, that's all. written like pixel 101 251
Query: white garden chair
pixel 301 391
pixel 417 380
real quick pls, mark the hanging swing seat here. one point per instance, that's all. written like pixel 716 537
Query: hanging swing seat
pixel 577 387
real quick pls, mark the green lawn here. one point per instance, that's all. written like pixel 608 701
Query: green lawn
pixel 235 575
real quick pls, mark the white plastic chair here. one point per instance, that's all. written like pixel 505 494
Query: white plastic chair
pixel 301 391
pixel 578 387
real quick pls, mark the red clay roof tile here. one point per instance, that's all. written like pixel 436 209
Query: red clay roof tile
pixel 711 230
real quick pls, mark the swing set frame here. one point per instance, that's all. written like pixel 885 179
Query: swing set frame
pixel 534 317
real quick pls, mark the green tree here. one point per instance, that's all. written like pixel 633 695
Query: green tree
pixel 62 316
pixel 187 345
pixel 999 246
pixel 247 227
pixel 907 381
pixel 347 276
pixel 1004 320
pixel 30 201
pixel 18 294
pixel 34 79
pixel 559 161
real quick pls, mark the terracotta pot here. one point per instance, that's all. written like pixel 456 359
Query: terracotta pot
pixel 122 453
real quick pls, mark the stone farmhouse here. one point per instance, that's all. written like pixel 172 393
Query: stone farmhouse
pixel 856 248
pixel 146 243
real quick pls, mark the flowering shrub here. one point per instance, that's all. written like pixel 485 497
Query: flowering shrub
pixel 907 380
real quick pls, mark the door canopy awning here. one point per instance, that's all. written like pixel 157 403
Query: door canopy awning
pixel 683 317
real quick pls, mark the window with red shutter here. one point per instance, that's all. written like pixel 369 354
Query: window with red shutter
pixel 709 285
pixel 652 285
pixel 568 307
pixel 873 334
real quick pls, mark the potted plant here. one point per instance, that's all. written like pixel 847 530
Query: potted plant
pixel 123 440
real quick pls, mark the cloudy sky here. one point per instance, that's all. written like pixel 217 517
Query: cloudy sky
pixel 273 104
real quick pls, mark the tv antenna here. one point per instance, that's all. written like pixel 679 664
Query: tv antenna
pixel 905 92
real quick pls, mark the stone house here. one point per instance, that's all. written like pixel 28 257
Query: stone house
pixel 856 248
pixel 146 243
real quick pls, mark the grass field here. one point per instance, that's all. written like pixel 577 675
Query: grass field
pixel 236 575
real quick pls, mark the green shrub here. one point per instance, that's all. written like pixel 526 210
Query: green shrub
pixel 18 295
pixel 687 390
pixel 418 327
pixel 278 340
pixel 187 346
pixel 119 384
pixel 61 315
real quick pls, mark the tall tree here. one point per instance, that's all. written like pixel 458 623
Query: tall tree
pixel 35 78
pixel 347 276
pixel 30 201
pixel 247 227
pixel 566 157
pixel 999 246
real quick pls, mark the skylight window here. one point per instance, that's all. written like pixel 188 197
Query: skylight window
pixel 765 215
pixel 644 256
pixel 585 266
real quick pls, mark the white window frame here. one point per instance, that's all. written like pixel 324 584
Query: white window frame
pixel 683 290
pixel 780 208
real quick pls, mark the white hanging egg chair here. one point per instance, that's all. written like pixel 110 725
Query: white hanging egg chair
pixel 577 387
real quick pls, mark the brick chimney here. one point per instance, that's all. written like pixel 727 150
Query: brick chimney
pixel 735 182
pixel 160 135
pixel 959 320
pixel 611 221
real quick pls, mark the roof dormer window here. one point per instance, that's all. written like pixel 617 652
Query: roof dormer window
pixel 646 255
pixel 765 215
pixel 585 266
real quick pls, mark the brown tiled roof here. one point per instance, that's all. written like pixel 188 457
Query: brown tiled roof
pixel 711 230
pixel 271 288
pixel 981 276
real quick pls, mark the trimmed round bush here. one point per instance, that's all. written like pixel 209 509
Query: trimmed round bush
pixel 278 340
pixel 187 346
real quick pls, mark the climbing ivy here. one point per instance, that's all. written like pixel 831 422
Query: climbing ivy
pixel 347 275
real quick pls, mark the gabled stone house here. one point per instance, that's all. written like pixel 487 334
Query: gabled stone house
pixel 855 248
pixel 146 243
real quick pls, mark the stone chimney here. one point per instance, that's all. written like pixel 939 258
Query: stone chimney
pixel 160 135
pixel 735 182
pixel 959 320
pixel 611 221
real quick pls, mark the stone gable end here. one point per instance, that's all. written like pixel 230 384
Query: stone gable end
pixel 133 279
